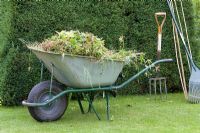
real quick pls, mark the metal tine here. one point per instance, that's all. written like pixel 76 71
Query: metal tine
pixel 165 89
pixel 197 99
pixel 197 94
pixel 193 94
pixel 189 93
pixel 160 85
pixel 189 96
pixel 150 87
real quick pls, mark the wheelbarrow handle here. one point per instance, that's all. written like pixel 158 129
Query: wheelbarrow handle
pixel 141 72
pixel 163 60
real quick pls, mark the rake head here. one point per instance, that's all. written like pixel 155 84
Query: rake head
pixel 194 87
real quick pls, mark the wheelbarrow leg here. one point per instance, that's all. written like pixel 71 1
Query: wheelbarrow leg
pixel 91 97
pixel 92 107
pixel 41 71
pixel 107 106
pixel 80 104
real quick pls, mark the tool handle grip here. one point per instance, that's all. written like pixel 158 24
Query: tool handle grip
pixel 160 25
pixel 160 14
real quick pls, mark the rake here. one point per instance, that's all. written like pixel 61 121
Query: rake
pixel 194 81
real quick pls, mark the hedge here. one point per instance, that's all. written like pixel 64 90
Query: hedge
pixel 196 6
pixel 5 24
pixel 35 20
pixel 6 15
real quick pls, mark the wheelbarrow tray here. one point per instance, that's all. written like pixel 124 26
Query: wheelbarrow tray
pixel 80 71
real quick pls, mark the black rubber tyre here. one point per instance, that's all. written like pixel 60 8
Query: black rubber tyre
pixel 51 112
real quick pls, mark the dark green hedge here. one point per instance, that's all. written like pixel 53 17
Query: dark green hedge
pixel 35 20
pixel 6 13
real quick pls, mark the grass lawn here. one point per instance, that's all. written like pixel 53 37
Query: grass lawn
pixel 128 114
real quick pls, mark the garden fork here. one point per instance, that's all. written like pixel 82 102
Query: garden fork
pixel 161 81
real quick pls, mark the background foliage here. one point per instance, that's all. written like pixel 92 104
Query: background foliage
pixel 196 6
pixel 35 20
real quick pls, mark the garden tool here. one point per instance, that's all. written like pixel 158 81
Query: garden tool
pixel 161 81
pixel 194 81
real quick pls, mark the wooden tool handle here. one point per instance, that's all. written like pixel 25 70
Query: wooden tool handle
pixel 160 14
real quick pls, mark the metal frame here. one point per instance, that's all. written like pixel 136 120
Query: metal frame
pixel 84 90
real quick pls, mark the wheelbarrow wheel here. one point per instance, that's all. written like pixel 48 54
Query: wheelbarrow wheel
pixel 39 94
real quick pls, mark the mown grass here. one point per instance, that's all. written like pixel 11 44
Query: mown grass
pixel 128 114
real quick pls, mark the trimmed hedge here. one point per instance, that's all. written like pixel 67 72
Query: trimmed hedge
pixel 35 20
pixel 6 12
pixel 196 6
pixel 5 25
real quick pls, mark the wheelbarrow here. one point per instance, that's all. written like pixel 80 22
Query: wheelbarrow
pixel 48 100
